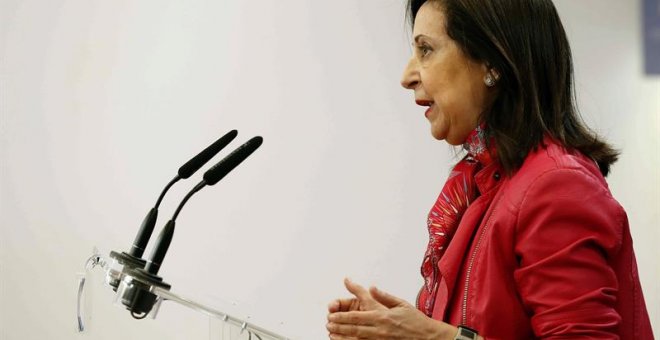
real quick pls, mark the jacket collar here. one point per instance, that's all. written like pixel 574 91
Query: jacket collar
pixel 489 177
pixel 481 148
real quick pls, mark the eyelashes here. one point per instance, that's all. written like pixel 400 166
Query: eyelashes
pixel 423 49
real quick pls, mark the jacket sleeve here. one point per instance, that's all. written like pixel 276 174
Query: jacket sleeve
pixel 567 228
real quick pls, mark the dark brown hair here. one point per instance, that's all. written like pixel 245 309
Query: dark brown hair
pixel 525 41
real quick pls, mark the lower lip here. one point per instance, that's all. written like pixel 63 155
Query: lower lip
pixel 428 112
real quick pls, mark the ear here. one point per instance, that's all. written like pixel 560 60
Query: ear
pixel 495 73
pixel 488 68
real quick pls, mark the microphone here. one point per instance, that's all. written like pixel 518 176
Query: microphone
pixel 137 297
pixel 211 177
pixel 185 171
pixel 133 258
pixel 225 166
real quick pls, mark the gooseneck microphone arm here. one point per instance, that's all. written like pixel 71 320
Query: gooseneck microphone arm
pixel 197 188
pixel 211 177
pixel 167 187
pixel 185 171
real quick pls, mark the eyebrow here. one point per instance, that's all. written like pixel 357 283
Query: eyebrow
pixel 419 36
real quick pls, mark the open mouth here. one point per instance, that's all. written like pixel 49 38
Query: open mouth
pixel 427 103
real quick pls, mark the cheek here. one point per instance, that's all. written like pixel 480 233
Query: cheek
pixel 441 82
pixel 436 85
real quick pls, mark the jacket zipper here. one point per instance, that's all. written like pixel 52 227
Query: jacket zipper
pixel 469 269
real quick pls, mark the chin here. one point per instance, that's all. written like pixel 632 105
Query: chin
pixel 439 135
pixel 451 140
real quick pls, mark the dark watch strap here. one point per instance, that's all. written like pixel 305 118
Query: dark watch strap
pixel 466 333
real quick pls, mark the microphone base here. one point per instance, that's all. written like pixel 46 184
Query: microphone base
pixel 136 291
pixel 121 262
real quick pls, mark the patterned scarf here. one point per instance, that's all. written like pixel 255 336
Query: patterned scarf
pixel 458 193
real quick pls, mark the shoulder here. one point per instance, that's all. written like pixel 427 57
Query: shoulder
pixel 560 195
pixel 553 177
pixel 552 163
pixel 551 158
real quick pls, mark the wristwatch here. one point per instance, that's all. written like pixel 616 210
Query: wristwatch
pixel 466 333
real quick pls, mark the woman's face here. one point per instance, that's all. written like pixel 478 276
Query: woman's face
pixel 444 79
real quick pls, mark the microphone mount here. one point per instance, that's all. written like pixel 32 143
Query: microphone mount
pixel 139 280
pixel 133 258
pixel 135 280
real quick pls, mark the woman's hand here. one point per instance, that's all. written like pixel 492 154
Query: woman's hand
pixel 361 302
pixel 374 314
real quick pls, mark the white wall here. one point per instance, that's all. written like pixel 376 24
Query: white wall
pixel 101 102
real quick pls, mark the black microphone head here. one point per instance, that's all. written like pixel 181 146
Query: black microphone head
pixel 198 161
pixel 227 164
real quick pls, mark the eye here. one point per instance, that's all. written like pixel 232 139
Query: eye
pixel 424 50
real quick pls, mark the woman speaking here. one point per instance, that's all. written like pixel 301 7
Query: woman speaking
pixel 525 238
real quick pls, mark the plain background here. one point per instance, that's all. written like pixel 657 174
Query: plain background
pixel 101 102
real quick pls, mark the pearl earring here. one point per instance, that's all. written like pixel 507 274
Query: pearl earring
pixel 489 80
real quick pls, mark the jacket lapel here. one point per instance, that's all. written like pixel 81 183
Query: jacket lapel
pixel 452 261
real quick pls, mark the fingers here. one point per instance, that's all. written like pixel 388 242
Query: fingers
pixel 356 290
pixel 366 301
pixel 354 317
pixel 388 300
pixel 362 301
pixel 337 331
pixel 334 306
pixel 343 305
pixel 374 314
pixel 351 331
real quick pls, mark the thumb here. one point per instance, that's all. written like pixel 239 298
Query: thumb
pixel 367 302
pixel 357 290
pixel 388 300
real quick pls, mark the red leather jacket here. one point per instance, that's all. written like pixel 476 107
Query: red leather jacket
pixel 545 253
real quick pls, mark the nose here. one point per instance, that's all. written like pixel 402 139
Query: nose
pixel 410 78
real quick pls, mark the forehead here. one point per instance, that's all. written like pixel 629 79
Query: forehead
pixel 430 20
